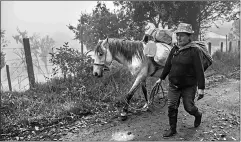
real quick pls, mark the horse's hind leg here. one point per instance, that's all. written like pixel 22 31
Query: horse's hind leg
pixel 144 90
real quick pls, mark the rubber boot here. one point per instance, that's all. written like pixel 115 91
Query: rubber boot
pixel 198 119
pixel 172 114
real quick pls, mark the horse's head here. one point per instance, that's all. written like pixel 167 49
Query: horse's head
pixel 102 58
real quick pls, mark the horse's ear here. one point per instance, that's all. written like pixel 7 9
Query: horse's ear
pixel 105 41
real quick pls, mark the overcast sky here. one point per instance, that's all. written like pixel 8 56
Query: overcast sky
pixel 43 16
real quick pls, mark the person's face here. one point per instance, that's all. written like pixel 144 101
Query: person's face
pixel 183 38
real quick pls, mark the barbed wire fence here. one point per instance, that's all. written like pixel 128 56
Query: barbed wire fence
pixel 18 71
pixel 19 75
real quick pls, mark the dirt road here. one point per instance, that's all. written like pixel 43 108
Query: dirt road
pixel 221 120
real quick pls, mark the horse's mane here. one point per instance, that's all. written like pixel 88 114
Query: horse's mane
pixel 126 48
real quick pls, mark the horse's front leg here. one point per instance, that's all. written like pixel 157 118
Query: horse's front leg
pixel 140 78
pixel 129 95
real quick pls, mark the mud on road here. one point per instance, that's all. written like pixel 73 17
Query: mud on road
pixel 221 120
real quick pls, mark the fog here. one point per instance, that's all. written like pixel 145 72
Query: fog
pixel 42 17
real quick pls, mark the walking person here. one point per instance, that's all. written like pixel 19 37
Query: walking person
pixel 186 74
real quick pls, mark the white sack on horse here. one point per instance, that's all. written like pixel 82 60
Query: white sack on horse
pixel 150 49
pixel 162 52
pixel 159 51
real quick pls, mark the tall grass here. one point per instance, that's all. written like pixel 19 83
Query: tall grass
pixel 225 62
pixel 73 97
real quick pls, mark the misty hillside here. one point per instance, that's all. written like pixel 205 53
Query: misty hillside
pixel 60 38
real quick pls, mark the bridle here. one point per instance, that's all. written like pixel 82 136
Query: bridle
pixel 102 64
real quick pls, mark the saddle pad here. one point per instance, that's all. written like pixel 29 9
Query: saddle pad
pixel 150 49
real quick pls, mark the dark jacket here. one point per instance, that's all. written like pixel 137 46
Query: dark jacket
pixel 185 67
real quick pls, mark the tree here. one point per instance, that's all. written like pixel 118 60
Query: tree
pixel 102 23
pixel 3 63
pixel 4 43
pixel 201 14
pixel 40 47
pixel 155 12
pixel 208 12
pixel 46 45
pixel 235 30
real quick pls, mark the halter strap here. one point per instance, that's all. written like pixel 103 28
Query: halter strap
pixel 103 65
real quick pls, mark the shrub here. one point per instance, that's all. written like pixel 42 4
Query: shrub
pixel 225 62
pixel 70 61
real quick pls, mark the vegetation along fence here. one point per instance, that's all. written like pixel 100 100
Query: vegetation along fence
pixel 24 80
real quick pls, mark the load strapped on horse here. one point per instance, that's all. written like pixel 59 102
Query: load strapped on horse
pixel 159 42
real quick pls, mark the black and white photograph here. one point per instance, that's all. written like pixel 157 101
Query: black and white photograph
pixel 120 70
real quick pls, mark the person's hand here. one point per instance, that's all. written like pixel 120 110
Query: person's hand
pixel 200 94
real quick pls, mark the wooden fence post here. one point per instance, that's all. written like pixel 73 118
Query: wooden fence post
pixel 29 62
pixel 226 43
pixel 221 46
pixel 9 79
pixel 239 45
pixel 65 76
pixel 230 46
pixel 209 47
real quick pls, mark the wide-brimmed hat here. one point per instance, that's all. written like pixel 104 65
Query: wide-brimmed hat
pixel 184 28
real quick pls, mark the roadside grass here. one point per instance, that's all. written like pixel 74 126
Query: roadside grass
pixel 60 99
pixel 225 62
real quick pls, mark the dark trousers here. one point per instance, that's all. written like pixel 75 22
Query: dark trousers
pixel 188 96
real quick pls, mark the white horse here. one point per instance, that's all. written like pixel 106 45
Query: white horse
pixel 130 54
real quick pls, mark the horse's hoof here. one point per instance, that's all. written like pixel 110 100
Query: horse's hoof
pixel 123 116
pixel 145 107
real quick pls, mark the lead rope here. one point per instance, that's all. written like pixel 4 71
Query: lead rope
pixel 117 90
pixel 155 91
